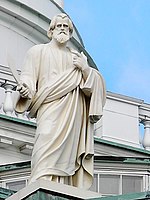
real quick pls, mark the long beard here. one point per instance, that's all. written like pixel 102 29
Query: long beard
pixel 62 38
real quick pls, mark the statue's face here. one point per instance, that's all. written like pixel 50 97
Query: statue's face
pixel 61 32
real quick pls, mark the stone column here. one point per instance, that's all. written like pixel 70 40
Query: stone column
pixel 146 138
pixel 8 106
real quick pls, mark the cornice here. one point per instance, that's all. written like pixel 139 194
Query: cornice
pixel 124 98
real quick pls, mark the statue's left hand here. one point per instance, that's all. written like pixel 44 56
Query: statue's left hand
pixel 80 62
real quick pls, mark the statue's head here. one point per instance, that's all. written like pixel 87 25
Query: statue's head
pixel 61 28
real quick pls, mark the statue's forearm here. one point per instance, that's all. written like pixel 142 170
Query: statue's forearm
pixel 86 72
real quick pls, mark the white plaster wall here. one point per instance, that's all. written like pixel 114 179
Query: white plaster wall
pixel 12 155
pixel 47 8
pixel 31 11
pixel 120 123
pixel 16 141
pixel 15 44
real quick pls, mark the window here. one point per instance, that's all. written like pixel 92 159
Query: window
pixel 131 184
pixel 117 183
pixel 16 185
pixel 109 184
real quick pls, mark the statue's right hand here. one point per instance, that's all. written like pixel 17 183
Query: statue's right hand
pixel 23 90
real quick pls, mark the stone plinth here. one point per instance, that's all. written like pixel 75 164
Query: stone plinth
pixel 46 190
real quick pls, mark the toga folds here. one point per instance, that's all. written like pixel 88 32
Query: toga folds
pixel 66 107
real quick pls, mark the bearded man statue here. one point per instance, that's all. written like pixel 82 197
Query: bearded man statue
pixel 66 96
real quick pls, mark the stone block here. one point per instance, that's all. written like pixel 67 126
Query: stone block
pixel 47 190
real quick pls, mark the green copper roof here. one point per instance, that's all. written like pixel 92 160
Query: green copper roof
pixel 133 196
pixel 15 119
pixel 5 193
pixel 15 166
pixel 137 160
pixel 121 159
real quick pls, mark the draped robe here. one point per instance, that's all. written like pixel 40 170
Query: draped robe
pixel 64 104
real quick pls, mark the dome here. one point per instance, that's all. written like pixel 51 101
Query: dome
pixel 24 23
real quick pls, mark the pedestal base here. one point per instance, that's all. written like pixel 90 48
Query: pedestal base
pixel 46 190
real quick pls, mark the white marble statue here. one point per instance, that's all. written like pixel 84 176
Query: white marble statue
pixel 67 98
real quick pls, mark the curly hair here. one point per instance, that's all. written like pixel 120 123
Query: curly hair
pixel 53 24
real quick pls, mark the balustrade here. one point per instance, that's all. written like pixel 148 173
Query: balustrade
pixel 144 116
pixel 146 137
pixel 7 108
pixel 8 103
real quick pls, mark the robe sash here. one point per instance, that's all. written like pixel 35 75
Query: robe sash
pixel 56 89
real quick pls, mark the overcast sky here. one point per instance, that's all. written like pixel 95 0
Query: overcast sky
pixel 116 33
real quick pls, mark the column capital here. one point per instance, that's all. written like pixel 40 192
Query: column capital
pixel 8 85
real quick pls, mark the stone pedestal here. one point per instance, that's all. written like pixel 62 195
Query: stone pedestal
pixel 46 190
